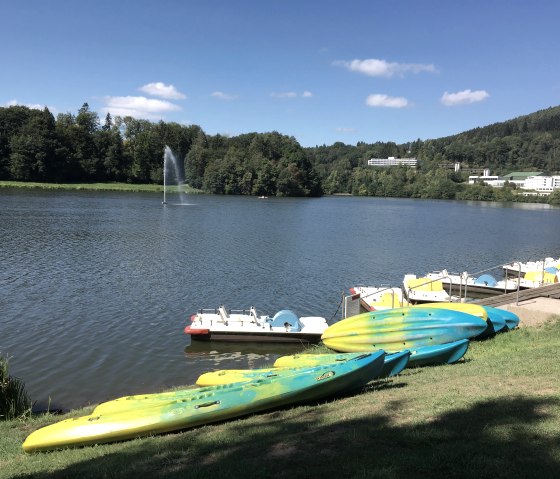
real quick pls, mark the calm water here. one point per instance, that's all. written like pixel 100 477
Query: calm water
pixel 96 288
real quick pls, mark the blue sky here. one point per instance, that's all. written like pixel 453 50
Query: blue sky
pixel 321 71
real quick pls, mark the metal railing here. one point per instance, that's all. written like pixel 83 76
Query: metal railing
pixel 382 289
pixel 430 281
pixel 463 282
pixel 486 270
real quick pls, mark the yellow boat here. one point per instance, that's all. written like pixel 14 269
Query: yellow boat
pixel 141 416
pixel 393 364
pixel 474 309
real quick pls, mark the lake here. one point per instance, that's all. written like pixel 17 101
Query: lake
pixel 96 287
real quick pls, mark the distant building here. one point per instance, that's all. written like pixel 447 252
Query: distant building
pixel 392 161
pixel 449 165
pixel 519 177
pixel 534 183
pixel 542 184
pixel 494 181
pixel 461 167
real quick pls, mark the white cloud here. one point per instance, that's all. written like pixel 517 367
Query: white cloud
pixel 33 106
pixel 138 106
pixel 346 130
pixel 464 97
pixel 162 90
pixel 380 100
pixel 381 68
pixel 291 94
pixel 223 96
pixel 286 94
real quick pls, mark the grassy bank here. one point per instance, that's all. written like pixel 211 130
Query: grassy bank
pixel 97 187
pixel 495 414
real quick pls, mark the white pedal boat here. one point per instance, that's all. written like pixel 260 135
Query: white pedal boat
pixel 285 326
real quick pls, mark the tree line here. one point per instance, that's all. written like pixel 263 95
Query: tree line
pixel 36 146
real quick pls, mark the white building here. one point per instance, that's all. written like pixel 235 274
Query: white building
pixel 542 184
pixel 534 182
pixel 392 161
pixel 494 181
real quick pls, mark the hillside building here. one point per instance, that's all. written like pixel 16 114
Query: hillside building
pixel 392 161
pixel 491 180
pixel 519 177
pixel 542 184
pixel 532 182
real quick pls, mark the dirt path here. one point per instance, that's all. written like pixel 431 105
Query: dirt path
pixel 535 312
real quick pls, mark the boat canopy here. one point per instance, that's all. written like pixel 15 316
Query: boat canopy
pixel 392 300
pixel 539 276
pixel 486 280
pixel 288 319
pixel 424 284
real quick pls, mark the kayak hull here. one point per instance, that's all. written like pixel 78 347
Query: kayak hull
pixel 176 411
pixel 510 319
pixel 439 354
pixel 404 328
pixel 428 355
pixel 495 322
pixel 393 364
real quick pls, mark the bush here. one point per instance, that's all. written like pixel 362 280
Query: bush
pixel 14 401
pixel 554 198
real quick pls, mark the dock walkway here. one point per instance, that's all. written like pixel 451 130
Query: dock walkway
pixel 549 291
pixel 534 306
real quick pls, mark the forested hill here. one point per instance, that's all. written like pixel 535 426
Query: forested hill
pixel 36 146
pixel 529 142
pixel 543 121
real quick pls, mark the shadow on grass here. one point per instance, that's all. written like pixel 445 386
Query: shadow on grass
pixel 498 439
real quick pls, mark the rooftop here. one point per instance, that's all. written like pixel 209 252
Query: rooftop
pixel 521 175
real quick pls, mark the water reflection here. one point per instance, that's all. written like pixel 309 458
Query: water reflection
pixel 222 355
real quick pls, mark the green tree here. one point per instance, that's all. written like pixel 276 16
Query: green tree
pixel 554 198
pixel 197 159
pixel 265 181
pixel 68 168
pixel 12 119
pixel 86 152
pixel 110 151
pixel 215 177
pixel 32 149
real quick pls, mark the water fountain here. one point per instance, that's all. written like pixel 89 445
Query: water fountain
pixel 168 160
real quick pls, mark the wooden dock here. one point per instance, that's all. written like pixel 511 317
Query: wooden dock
pixel 549 291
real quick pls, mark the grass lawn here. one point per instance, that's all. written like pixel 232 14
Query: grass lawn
pixel 96 186
pixel 495 414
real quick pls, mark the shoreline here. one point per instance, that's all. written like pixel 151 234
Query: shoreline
pixel 396 422
pixel 147 188
pixel 155 188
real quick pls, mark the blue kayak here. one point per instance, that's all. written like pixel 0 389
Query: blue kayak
pixel 510 319
pixel 395 363
pixel 438 354
pixel 403 328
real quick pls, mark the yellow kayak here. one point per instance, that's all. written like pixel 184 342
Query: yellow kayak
pixel 148 414
pixel 474 309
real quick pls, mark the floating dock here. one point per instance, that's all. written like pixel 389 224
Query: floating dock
pixel 548 291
